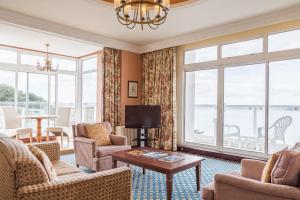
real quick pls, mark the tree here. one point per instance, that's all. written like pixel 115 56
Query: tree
pixel 7 94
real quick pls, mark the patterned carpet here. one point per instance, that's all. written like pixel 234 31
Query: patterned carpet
pixel 152 184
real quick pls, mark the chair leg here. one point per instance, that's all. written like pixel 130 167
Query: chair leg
pixel 30 137
pixel 47 137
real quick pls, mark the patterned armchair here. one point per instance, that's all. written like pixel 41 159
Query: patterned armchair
pixel 94 157
pixel 23 179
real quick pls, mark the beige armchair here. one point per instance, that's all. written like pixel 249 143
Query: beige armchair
pixel 247 185
pixel 94 157
pixel 71 183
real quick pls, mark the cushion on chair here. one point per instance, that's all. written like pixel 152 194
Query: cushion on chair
pixel 99 133
pixel 287 168
pixel 43 158
pixel 62 168
pixel 266 175
pixel 28 169
pixel 102 151
pixel 82 132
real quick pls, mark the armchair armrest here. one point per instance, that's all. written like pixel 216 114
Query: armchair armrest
pixel 85 150
pixel 111 184
pixel 252 168
pixel 52 149
pixel 117 139
pixel 232 186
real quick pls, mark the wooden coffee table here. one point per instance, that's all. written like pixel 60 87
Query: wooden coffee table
pixel 169 169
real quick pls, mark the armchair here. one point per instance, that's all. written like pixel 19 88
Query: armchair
pixel 97 158
pixel 247 185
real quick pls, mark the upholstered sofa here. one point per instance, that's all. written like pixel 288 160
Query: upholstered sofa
pixel 97 158
pixel 247 185
pixel 22 177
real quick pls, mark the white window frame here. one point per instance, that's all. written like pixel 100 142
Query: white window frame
pixel 220 64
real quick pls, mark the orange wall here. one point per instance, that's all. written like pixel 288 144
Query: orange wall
pixel 131 70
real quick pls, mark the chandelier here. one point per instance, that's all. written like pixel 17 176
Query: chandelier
pixel 47 65
pixel 142 12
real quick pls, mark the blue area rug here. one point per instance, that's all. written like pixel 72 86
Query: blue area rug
pixel 152 184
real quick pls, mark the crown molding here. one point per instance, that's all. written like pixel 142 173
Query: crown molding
pixel 279 16
pixel 41 25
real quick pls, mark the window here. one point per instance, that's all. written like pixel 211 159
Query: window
pixel 90 64
pixel 284 104
pixel 89 90
pixel 284 41
pixel 89 96
pixel 201 106
pixel 63 64
pixel 248 104
pixel 200 55
pixel 244 107
pixel 7 56
pixel 7 90
pixel 66 94
pixel 27 59
pixel 242 48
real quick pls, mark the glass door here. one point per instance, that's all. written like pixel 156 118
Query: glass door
pixel 201 106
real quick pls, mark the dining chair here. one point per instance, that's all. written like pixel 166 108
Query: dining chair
pixel 12 125
pixel 61 124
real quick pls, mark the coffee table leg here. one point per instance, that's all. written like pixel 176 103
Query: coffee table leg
pixel 144 170
pixel 198 175
pixel 115 164
pixel 169 181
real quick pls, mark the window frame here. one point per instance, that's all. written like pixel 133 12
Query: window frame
pixel 264 57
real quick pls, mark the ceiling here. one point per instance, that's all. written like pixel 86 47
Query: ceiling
pixel 24 38
pixel 98 17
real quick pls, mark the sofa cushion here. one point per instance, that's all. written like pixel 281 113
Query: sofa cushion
pixel 82 132
pixel 99 133
pixel 102 151
pixel 27 168
pixel 62 168
pixel 266 175
pixel 43 158
pixel 287 168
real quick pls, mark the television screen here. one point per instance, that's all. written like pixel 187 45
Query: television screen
pixel 142 116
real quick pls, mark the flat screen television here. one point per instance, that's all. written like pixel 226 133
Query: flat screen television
pixel 142 116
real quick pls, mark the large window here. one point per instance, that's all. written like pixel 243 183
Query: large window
pixel 89 90
pixel 249 103
pixel 284 104
pixel 201 106
pixel 201 55
pixel 244 107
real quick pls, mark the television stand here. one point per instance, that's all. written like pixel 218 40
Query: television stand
pixel 142 137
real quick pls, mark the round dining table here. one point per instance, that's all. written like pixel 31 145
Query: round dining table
pixel 38 119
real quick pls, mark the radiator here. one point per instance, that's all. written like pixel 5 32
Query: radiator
pixel 129 133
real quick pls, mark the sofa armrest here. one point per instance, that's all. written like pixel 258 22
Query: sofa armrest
pixel 117 139
pixel 252 168
pixel 111 184
pixel 85 150
pixel 52 149
pixel 227 186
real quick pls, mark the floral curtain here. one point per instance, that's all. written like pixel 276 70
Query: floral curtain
pixel 159 88
pixel 111 60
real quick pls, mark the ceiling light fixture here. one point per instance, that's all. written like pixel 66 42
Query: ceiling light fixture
pixel 150 12
pixel 47 66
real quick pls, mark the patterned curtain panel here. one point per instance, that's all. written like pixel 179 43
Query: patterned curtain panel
pixel 159 88
pixel 111 59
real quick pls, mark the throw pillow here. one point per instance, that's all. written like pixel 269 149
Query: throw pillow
pixel 266 175
pixel 43 158
pixel 287 168
pixel 99 133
